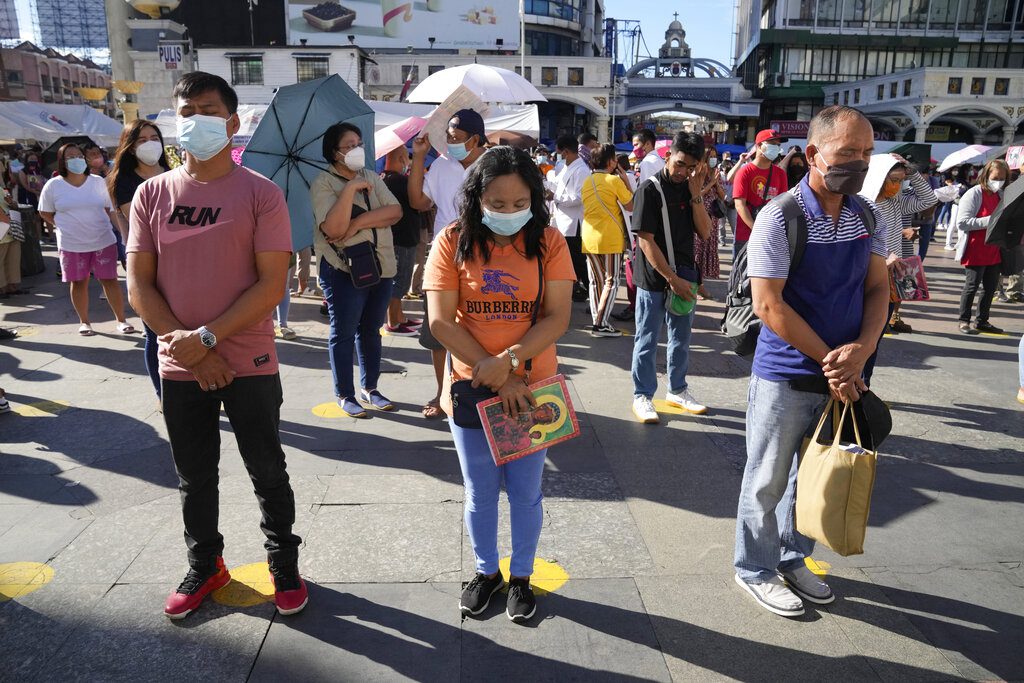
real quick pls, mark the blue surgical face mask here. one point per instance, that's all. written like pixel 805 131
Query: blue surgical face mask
pixel 712 162
pixel 203 137
pixel 77 165
pixel 772 152
pixel 457 150
pixel 506 224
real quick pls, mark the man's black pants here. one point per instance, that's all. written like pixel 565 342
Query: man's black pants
pixel 253 406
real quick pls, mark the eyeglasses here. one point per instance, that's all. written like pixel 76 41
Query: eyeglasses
pixel 346 150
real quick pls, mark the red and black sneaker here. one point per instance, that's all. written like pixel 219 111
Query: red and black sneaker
pixel 194 589
pixel 290 594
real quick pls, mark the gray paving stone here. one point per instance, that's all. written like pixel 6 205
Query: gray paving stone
pixel 46 533
pixel 163 561
pixel 367 632
pixel 588 630
pixel 34 627
pixel 972 614
pixel 355 489
pixel 709 629
pixel 588 540
pixel 383 543
pixel 221 642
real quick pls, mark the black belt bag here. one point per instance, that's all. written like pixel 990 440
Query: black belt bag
pixel 363 262
pixel 465 397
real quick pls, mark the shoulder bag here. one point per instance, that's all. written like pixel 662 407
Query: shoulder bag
pixel 465 396
pixel 674 303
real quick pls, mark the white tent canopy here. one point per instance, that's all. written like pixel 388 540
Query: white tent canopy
pixel 49 122
pixel 518 118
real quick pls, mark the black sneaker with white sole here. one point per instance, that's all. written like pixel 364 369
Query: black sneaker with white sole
pixel 477 593
pixel 521 603
pixel 604 331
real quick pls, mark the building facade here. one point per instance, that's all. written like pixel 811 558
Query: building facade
pixel 37 75
pixel 792 52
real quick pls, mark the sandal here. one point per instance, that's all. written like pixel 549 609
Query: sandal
pixel 432 409
pixel 376 400
pixel 126 328
pixel 351 408
pixel 85 329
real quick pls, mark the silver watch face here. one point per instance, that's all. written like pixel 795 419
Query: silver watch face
pixel 207 338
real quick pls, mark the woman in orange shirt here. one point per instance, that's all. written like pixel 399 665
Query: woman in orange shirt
pixel 499 288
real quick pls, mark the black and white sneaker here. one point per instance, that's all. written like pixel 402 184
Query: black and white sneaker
pixel 521 603
pixel 604 331
pixel 477 593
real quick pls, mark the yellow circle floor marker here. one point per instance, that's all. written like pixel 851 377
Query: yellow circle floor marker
pixel 330 410
pixel 250 586
pixel 547 577
pixel 42 409
pixel 22 578
pixel 27 331
pixel 666 408
pixel 998 335
pixel 818 568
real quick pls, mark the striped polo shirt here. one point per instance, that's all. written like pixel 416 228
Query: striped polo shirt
pixel 827 287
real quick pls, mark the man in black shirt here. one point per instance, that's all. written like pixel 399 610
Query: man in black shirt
pixel 406 234
pixel 661 271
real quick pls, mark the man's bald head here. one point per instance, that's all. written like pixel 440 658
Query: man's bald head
pixel 397 159
pixel 824 124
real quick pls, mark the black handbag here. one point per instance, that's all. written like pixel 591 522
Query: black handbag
pixel 361 259
pixel 465 396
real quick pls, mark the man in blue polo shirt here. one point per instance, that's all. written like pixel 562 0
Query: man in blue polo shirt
pixel 821 324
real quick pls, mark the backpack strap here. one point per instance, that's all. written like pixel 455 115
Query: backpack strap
pixel 866 214
pixel 796 227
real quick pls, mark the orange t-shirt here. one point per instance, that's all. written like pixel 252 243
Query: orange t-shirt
pixel 496 298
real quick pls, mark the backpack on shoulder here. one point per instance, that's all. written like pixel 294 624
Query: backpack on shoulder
pixel 740 325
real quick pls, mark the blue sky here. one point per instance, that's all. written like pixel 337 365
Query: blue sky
pixel 708 24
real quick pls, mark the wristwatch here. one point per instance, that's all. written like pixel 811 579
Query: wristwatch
pixel 208 338
pixel 513 358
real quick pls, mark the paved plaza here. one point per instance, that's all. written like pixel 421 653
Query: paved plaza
pixel 635 555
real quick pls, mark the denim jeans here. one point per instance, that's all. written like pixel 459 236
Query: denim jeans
pixel 778 418
pixel 356 318
pixel 253 407
pixel 1020 361
pixel 286 302
pixel 152 359
pixel 650 314
pixel 924 239
pixel 482 480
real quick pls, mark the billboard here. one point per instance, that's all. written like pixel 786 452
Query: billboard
pixel 453 24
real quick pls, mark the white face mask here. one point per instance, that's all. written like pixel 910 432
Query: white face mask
pixel 771 152
pixel 355 158
pixel 996 185
pixel 149 152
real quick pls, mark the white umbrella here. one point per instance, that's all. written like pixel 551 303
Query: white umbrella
pixel 972 154
pixel 489 83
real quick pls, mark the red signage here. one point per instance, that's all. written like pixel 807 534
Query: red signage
pixel 791 129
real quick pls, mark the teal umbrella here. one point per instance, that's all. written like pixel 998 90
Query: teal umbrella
pixel 287 144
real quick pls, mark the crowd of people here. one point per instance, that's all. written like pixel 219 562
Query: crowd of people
pixel 499 244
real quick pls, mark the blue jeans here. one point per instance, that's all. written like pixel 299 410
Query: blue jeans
pixel 286 302
pixel 778 418
pixel 650 314
pixel 356 317
pixel 1020 361
pixel 482 480
pixel 925 239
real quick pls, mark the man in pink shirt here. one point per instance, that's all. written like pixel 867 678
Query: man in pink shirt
pixel 208 253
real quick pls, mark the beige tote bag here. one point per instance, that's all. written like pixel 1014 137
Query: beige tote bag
pixel 834 484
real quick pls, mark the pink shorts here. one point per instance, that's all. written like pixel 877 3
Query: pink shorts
pixel 76 266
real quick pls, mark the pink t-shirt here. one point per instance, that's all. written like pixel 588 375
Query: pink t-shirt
pixel 206 237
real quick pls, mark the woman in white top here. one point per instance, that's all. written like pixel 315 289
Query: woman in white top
pixel 78 204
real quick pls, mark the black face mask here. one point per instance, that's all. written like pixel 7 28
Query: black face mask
pixel 845 178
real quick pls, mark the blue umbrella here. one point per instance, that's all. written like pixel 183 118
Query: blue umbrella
pixel 287 144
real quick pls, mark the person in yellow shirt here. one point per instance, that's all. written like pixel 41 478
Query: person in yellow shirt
pixel 604 234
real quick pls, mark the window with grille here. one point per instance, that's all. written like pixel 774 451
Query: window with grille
pixel 247 71
pixel 311 68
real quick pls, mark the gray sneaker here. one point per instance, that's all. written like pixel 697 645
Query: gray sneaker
pixel 774 596
pixel 808 586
